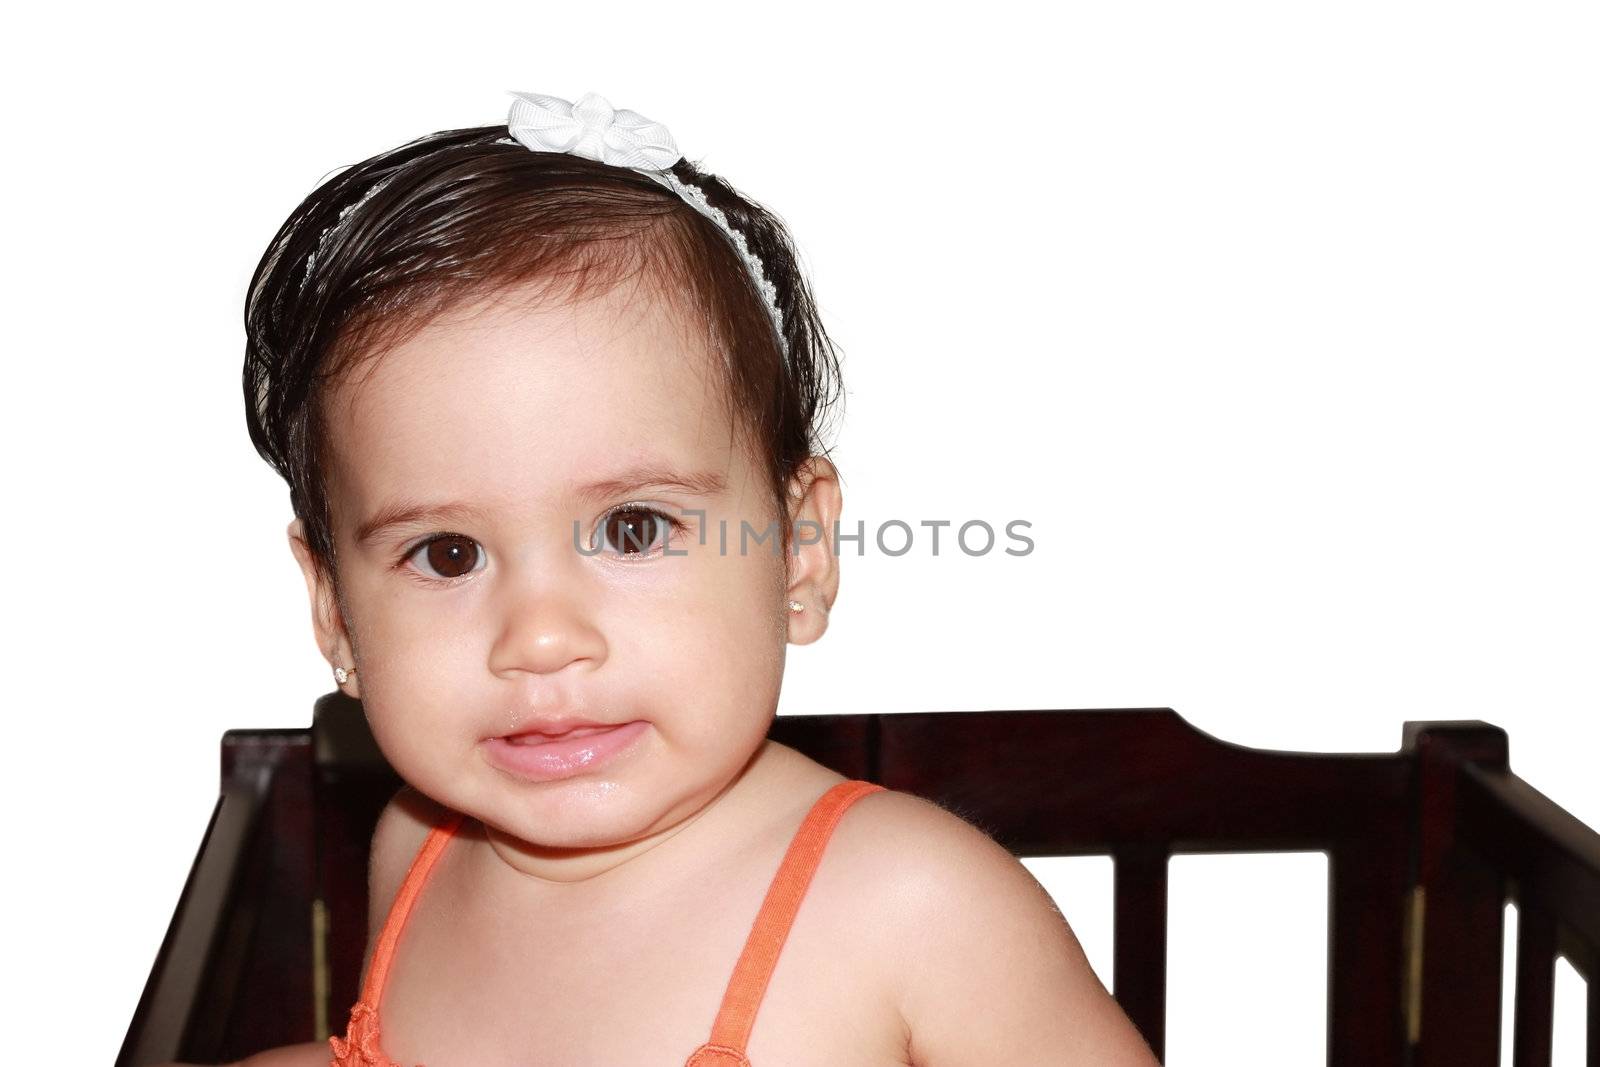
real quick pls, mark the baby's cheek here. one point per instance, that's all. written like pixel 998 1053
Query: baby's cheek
pixel 731 620
pixel 739 583
pixel 415 712
pixel 403 728
pixel 738 650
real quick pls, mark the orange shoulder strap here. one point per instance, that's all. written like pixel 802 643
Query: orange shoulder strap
pixel 400 910
pixel 737 1016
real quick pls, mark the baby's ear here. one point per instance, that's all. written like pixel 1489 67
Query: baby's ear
pixel 326 620
pixel 815 503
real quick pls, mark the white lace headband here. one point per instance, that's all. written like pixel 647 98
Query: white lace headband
pixel 593 129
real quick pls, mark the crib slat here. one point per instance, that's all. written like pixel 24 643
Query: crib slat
pixel 1593 1055
pixel 1463 927
pixel 1535 995
pixel 1366 968
pixel 1139 955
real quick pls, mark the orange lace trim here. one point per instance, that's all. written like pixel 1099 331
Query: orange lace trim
pixel 360 1045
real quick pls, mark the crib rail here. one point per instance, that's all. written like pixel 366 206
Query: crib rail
pixel 229 971
pixel 1140 785
pixel 1486 837
pixel 1424 847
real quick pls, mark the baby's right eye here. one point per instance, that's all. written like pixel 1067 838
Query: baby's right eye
pixel 448 556
pixel 632 530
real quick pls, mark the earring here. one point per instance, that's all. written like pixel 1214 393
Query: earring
pixel 796 606
pixel 342 674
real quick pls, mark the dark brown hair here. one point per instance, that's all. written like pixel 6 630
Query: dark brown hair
pixel 375 253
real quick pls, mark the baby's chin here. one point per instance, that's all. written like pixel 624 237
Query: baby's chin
pixel 590 809
pixel 586 837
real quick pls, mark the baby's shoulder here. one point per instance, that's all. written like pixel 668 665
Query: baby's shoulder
pixel 963 921
pixel 402 827
pixel 959 919
pixel 904 840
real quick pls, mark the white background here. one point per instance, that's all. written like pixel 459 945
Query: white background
pixel 1277 321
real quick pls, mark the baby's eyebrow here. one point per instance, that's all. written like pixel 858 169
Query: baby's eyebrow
pixel 653 476
pixel 405 513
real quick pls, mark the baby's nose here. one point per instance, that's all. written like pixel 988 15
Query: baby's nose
pixel 543 631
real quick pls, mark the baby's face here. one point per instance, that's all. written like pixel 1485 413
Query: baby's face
pixel 527 417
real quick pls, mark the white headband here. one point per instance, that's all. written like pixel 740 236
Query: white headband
pixel 595 130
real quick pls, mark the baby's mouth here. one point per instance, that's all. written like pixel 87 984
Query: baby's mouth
pixel 537 738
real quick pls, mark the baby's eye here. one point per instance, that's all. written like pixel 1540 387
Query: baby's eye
pixel 447 556
pixel 633 530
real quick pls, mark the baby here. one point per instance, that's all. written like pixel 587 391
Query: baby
pixel 549 401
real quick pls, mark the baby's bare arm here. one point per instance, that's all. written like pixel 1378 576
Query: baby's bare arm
pixel 310 1054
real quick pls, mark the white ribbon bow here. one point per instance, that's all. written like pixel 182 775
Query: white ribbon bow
pixel 593 129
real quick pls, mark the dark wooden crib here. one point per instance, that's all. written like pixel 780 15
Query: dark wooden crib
pixel 1424 847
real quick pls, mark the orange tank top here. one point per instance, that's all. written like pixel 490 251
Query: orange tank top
pixel 737 1015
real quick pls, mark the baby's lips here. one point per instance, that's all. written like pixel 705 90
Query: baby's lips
pixel 553 727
